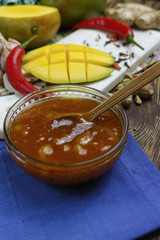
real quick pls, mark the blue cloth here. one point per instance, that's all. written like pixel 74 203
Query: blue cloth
pixel 122 204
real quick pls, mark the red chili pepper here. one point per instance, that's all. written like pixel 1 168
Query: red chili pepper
pixel 13 69
pixel 109 25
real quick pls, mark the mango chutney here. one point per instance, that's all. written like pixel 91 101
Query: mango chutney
pixel 37 133
pixel 64 150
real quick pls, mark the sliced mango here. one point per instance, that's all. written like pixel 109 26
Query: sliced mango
pixel 95 51
pixel 36 53
pixel 100 60
pixel 74 47
pixel 40 72
pixel 52 73
pixel 59 57
pixel 95 72
pixel 21 22
pixel 58 48
pixel 68 64
pixel 77 72
pixel 58 73
pixel 76 56
pixel 35 63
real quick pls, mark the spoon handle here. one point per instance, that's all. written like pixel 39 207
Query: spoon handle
pixel 150 74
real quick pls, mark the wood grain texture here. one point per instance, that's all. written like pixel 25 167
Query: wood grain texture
pixel 144 120
pixel 144 125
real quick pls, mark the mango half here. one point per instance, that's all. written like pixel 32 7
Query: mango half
pixel 74 11
pixel 61 64
pixel 21 22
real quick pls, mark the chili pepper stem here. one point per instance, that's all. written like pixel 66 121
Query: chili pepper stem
pixel 25 44
pixel 129 38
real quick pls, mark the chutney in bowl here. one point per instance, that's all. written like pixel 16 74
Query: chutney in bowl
pixel 58 149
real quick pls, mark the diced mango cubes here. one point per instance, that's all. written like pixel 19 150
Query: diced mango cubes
pixel 37 62
pixel 77 72
pixel 74 56
pixel 95 72
pixel 59 57
pixel 58 73
pixel 41 72
pixel 36 53
pixel 61 64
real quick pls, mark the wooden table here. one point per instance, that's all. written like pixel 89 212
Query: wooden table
pixel 144 121
pixel 144 125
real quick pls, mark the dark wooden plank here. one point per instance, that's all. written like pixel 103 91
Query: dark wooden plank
pixel 144 124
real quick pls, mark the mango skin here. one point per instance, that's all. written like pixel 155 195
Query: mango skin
pixel 73 11
pixel 21 29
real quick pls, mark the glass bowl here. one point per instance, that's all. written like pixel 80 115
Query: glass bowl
pixel 68 173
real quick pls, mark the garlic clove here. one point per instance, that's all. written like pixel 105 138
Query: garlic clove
pixel 12 43
pixel 3 59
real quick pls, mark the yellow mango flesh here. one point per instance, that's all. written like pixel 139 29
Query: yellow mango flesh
pixel 36 53
pixel 74 56
pixel 95 51
pixel 99 59
pixel 40 72
pixel 57 48
pixel 40 61
pixel 77 72
pixel 58 73
pixel 59 57
pixel 68 64
pixel 74 47
pixel 21 22
pixel 95 72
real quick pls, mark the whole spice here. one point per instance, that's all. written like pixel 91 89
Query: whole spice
pixel 126 64
pixel 126 81
pixel 109 25
pixel 143 93
pixel 146 91
pixel 116 66
pixel 129 75
pixel 119 86
pixel 138 100
pixel 13 69
pixel 127 101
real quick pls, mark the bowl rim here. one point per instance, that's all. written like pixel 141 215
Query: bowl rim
pixel 72 87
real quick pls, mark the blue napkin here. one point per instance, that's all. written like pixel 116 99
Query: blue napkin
pixel 122 204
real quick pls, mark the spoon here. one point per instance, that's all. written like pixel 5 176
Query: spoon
pixel 150 74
